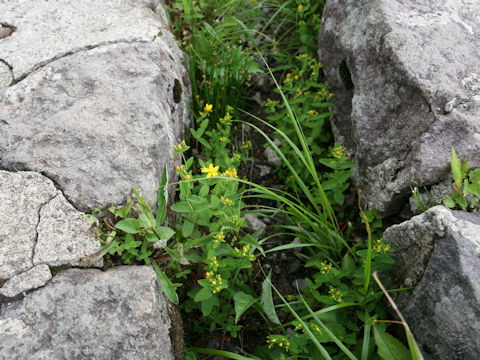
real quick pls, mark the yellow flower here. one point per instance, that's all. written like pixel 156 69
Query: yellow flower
pixel 300 8
pixel 296 77
pixel 231 172
pixel 211 170
pixel 303 56
pixel 208 108
pixel 223 139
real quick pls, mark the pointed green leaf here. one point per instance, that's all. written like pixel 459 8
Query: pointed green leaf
pixel 266 300
pixel 162 198
pixel 164 232
pixel 242 302
pixel 167 286
pixel 389 347
pixel 203 294
pixel 456 169
pixel 130 226
pixel 474 176
pixel 187 228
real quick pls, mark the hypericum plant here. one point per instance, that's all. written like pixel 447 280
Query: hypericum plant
pixel 465 190
pixel 210 240
pixel 308 100
pixel 216 138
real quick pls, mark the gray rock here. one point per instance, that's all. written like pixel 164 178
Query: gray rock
pixel 255 222
pixel 97 122
pixel 64 236
pixel 272 157
pixel 438 252
pixel 47 30
pixel 407 88
pixel 6 76
pixel 38 226
pixel 22 195
pixel 34 278
pixel 89 314
pixel 432 197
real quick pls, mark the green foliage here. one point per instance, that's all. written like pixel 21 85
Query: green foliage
pixel 465 189
pixel 221 66
pixel 207 249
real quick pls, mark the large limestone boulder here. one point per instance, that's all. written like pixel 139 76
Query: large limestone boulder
pixel 406 78
pixel 39 229
pixel 90 314
pixel 438 252
pixel 98 98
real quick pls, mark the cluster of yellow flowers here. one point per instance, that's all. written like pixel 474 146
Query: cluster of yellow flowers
pixel 245 252
pixel 336 294
pixel 227 201
pixel 381 247
pixel 217 239
pixel 278 340
pixel 215 281
pixel 247 145
pixel 183 173
pixel 325 267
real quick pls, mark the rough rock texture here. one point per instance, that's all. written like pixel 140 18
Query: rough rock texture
pixel 89 314
pixel 406 80
pixel 438 252
pixel 108 101
pixel 64 235
pixel 38 226
pixel 31 279
pixel 22 195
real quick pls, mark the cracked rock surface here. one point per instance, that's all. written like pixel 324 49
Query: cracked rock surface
pixel 46 30
pixel 97 122
pixel 89 314
pixel 406 79
pixel 38 226
pixel 438 252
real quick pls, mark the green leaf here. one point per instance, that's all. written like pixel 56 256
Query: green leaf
pixel 456 169
pixel 130 226
pixel 389 347
pixel 474 176
pixel 266 300
pixel 204 190
pixel 242 302
pixel 164 232
pixel 203 294
pixel 448 202
pixel 471 189
pixel 162 198
pixel 182 207
pixel 348 263
pixel 167 286
pixel 187 228
pixel 207 305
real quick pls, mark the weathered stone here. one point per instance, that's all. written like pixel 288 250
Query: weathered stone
pixel 434 196
pixel 438 252
pixel 407 88
pixel 106 103
pixel 64 236
pixel 34 278
pixel 6 76
pixel 98 122
pixel 47 30
pixel 89 314
pixel 38 226
pixel 22 195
